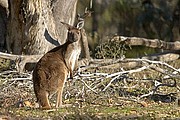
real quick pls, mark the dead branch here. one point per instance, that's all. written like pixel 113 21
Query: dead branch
pixel 115 76
pixel 20 60
pixel 153 43
pixel 168 71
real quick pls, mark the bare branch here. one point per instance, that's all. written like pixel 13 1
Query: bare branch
pixel 21 60
pixel 154 43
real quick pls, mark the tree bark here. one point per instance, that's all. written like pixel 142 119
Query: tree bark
pixel 85 49
pixel 34 25
pixel 3 22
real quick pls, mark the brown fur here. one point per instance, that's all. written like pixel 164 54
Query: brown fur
pixel 52 69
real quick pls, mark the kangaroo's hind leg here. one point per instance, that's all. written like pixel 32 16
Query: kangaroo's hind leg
pixel 59 98
pixel 43 99
pixel 60 91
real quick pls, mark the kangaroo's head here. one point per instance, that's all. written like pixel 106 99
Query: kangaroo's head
pixel 74 32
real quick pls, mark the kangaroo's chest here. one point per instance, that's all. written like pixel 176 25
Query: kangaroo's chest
pixel 73 57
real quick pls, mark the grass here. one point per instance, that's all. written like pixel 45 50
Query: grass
pixel 129 111
pixel 4 64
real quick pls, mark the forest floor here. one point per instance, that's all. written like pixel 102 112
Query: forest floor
pixel 17 101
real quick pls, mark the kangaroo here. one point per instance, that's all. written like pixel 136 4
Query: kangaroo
pixel 52 70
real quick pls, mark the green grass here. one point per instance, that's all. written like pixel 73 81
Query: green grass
pixel 4 64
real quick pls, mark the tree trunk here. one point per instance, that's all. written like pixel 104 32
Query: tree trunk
pixel 3 22
pixel 34 25
pixel 85 49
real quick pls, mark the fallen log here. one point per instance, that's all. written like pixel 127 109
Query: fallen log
pixel 153 43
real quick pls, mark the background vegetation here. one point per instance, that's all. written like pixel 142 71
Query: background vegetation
pixel 139 18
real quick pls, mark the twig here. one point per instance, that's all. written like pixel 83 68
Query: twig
pixel 146 95
pixel 129 71
pixel 88 86
pixel 19 79
pixel 111 82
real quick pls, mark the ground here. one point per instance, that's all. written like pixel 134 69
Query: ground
pixel 17 100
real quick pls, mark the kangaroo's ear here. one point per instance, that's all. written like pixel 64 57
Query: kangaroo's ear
pixel 80 25
pixel 69 27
